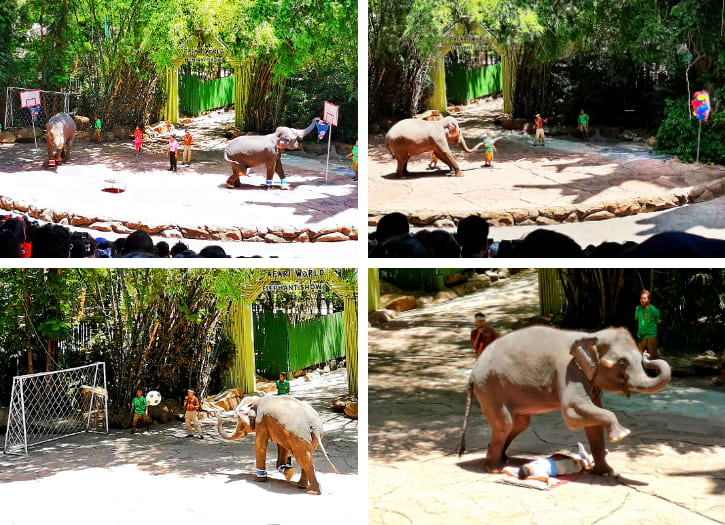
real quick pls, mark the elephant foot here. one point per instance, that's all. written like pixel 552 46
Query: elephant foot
pixel 314 492
pixel 619 434
pixel 494 467
pixel 459 174
pixel 260 479
pixel 603 470
pixel 230 186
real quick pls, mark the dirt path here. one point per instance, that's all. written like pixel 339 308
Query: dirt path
pixel 672 467
pixel 568 180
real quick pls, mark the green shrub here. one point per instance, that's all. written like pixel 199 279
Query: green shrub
pixel 677 134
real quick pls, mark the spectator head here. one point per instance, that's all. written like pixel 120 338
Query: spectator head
pixel 139 243
pixel 391 225
pixel 12 234
pixel 104 249
pixel 403 246
pixel 439 243
pixel 118 245
pixel 162 249
pixel 213 252
pixel 82 245
pixel 547 243
pixel 177 248
pixel 472 235
pixel 52 241
pixel 677 244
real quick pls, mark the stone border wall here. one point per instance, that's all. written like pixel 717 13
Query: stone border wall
pixel 175 231
pixel 560 214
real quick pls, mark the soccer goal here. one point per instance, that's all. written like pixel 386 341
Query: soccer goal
pixel 54 405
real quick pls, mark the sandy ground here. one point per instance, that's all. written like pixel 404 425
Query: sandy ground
pixel 193 197
pixel 159 476
pixel 671 469
pixel 567 173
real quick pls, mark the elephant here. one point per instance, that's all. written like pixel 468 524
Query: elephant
pixel 248 151
pixel 294 425
pixel 61 135
pixel 540 369
pixel 414 136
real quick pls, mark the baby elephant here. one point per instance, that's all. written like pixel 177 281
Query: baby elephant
pixel 296 428
pixel 61 135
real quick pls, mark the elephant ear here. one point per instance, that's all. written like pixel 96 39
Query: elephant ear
pixel 586 355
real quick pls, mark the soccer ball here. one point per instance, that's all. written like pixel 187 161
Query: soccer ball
pixel 153 398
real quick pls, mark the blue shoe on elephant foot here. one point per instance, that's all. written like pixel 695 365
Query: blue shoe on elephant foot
pixel 260 476
pixel 284 186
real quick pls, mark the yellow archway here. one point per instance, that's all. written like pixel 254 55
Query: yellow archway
pixel 201 46
pixel 242 372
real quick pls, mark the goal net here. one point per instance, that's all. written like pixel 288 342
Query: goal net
pixel 54 405
pixel 17 116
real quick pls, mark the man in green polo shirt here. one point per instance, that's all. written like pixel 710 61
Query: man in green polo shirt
pixel 583 121
pixel 647 317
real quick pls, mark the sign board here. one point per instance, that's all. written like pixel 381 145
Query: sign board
pixel 34 112
pixel 29 99
pixel 330 112
pixel 316 286
pixel 296 273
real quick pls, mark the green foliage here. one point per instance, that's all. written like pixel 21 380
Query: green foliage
pixel 677 134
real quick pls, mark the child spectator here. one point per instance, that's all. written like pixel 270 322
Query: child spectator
pixel 186 155
pixel 482 335
pixel 282 385
pixel 97 127
pixel 173 152
pixel 138 409
pixel 489 147
pixel 354 156
pixel 138 140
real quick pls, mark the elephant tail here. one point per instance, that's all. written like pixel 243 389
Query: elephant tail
pixel 324 452
pixel 469 400
pixel 226 157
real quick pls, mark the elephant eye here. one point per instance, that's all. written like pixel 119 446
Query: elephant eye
pixel 622 362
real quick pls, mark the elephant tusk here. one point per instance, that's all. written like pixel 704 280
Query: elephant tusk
pixel 606 363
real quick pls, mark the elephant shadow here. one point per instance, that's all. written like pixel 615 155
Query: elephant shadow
pixel 278 486
pixel 247 187
pixel 438 172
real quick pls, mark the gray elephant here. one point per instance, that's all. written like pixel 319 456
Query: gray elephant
pixel 414 136
pixel 248 151
pixel 61 135
pixel 540 369
pixel 294 425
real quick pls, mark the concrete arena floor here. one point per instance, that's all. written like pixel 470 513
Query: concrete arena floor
pixel 193 202
pixel 160 477
pixel 671 469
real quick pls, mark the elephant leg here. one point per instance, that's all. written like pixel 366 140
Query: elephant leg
pixel 520 423
pixel 304 458
pixel 446 157
pixel 284 456
pixel 280 171
pixel 402 169
pixel 595 436
pixel 260 453
pixel 586 414
pixel 238 170
pixel 501 426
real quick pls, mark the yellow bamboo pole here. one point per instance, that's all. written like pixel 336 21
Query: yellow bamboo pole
pixel 350 317
pixel 438 98
pixel 243 370
pixel 373 289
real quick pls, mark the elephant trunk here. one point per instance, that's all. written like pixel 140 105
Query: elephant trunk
pixel 239 432
pixel 465 147
pixel 651 385
pixel 309 128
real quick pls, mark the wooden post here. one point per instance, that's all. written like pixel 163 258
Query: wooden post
pixel 438 99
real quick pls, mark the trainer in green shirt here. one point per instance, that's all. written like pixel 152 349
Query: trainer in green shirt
pixel 647 317
pixel 139 404
pixel 282 385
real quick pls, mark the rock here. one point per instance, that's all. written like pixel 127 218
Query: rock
pixel 194 233
pixel 399 304
pixel 543 220
pixel 119 227
pixel 101 227
pixel 166 411
pixel 599 215
pixel 172 233
pixel 226 400
pixel 3 418
pixel 284 232
pixel 546 319
pixel 517 124
pixel 351 410
pixel 82 123
pixel 493 276
pixel 303 237
pixel 651 142
pixel 503 273
pixel 572 217
pixel 298 373
pixel 424 300
pixel 444 223
pixel 7 138
pixel 380 317
pixel 271 237
pixel 28 135
pixel 445 295
pixel 339 403
pixel 331 237
pixel 482 278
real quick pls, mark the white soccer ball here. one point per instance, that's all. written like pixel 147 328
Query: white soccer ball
pixel 153 398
